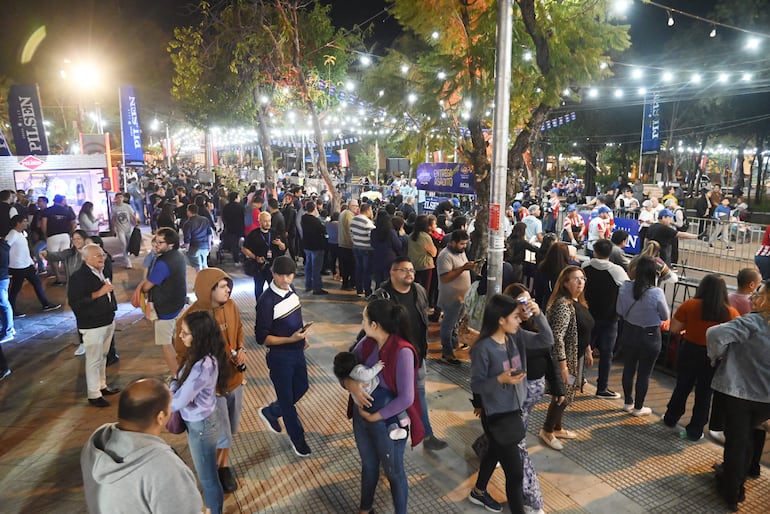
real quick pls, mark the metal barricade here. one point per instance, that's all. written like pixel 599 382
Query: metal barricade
pixel 724 247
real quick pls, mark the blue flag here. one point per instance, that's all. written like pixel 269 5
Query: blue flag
pixel 131 132
pixel 651 124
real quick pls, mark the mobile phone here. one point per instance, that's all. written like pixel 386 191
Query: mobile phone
pixel 517 372
pixel 307 325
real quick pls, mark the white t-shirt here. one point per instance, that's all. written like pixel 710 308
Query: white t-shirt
pixel 18 257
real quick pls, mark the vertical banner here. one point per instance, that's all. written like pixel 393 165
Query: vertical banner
pixel 651 124
pixel 344 160
pixel 26 117
pixel 131 132
pixel 5 150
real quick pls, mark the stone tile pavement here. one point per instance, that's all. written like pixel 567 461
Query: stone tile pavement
pixel 617 464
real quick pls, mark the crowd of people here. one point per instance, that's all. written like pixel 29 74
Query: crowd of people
pixel 556 315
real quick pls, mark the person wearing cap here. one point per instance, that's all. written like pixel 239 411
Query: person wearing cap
pixel 598 228
pixel 722 214
pixel 519 212
pixel 57 222
pixel 666 235
pixel 647 216
pixel 280 328
pixel 551 214
pixel 573 226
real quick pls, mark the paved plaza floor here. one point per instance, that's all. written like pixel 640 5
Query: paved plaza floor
pixel 617 464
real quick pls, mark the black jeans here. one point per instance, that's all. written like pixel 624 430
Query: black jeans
pixel 17 281
pixel 641 346
pixel 603 339
pixel 513 468
pixel 693 370
pixel 347 267
pixel 740 442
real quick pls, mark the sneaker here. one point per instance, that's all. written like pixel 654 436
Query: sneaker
pixel 608 393
pixel 272 423
pixel 644 411
pixel 99 402
pixel 301 448
pixel 5 374
pixel 433 443
pixel 320 292
pixel 485 500
pixel 19 315
pixel 684 435
pixel 628 407
pixel 49 308
pixel 716 435
pixel 532 510
pixel 7 338
pixel 450 360
pixel 81 350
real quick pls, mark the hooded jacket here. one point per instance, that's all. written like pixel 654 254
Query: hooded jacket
pixel 227 316
pixel 132 472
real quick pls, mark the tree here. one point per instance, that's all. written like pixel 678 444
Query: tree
pixel 557 45
pixel 251 60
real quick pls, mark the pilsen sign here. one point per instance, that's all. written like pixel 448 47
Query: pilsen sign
pixel 26 117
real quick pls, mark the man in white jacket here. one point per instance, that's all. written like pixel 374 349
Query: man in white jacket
pixel 127 467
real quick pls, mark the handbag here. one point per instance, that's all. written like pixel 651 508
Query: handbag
pixel 506 429
pixel 175 423
pixel 250 267
pixel 474 306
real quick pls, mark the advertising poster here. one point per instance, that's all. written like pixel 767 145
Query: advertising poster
pixel 430 203
pixel 131 131
pixel 445 177
pixel 26 116
pixel 631 226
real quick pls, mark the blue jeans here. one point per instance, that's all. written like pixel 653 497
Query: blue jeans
pixel 6 312
pixel 138 205
pixel 603 339
pixel 288 373
pixel 763 263
pixel 202 439
pixel 375 448
pixel 198 257
pixel 641 346
pixel 262 280
pixel 314 261
pixel 421 372
pixel 453 312
pixel 363 271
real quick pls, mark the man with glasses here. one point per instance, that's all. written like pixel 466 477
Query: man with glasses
pixel 92 299
pixel 401 289
pixel 454 275
pixel 166 288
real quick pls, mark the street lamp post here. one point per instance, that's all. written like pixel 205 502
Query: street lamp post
pixel 500 148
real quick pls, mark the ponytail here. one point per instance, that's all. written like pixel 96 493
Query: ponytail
pixel 393 318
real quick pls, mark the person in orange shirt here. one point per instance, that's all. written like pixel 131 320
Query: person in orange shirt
pixel 709 307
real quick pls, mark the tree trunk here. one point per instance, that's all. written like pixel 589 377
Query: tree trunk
pixel 591 157
pixel 520 145
pixel 263 127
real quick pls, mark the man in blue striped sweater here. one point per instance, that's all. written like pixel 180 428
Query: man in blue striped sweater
pixel 279 327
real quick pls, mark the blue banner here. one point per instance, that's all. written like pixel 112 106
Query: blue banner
pixel 651 124
pixel 630 225
pixel 430 204
pixel 445 177
pixel 26 117
pixel 131 131
pixel 5 150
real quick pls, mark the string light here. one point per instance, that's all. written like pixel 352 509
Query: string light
pixel 670 19
pixel 713 32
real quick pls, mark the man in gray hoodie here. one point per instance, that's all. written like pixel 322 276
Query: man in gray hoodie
pixel 128 468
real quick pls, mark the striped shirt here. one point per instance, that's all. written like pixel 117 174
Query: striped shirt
pixel 764 250
pixel 278 314
pixel 361 231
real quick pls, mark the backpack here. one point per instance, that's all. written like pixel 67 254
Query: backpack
pixel 685 221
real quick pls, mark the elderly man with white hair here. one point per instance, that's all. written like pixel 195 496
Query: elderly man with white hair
pixel 534 233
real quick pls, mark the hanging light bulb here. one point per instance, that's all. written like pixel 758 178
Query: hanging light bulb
pixel 713 32
pixel 670 19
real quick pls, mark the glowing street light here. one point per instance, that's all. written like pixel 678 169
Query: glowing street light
pixel 411 98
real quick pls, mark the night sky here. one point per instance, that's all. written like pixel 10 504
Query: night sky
pixel 128 37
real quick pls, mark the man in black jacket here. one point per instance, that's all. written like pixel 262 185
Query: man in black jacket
pixel 314 243
pixel 233 218
pixel 91 297
pixel 603 281
pixel 401 289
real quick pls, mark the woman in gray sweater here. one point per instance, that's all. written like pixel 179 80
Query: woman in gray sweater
pixel 642 306
pixel 498 370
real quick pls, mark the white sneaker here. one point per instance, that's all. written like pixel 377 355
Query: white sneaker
pixel 81 350
pixel 644 411
pixel 718 436
pixel 532 510
pixel 628 407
